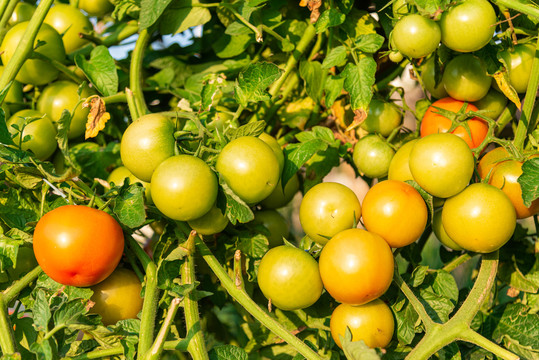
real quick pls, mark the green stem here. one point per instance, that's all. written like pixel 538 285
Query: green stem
pixel 473 337
pixel 158 345
pixel 456 262
pixel 197 346
pixel 6 9
pixel 7 339
pixel 13 291
pixel 135 72
pixel 527 107
pixel 520 7
pixel 414 301
pixel 26 44
pixel 244 300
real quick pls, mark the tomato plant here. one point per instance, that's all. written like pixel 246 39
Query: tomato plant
pixel 78 245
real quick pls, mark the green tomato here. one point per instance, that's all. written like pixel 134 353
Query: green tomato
pixel 399 168
pixel 416 36
pixel 519 65
pixel 146 143
pixel 184 187
pixel 289 277
pixel 468 26
pixel 493 103
pixel 23 12
pixel 465 78
pixel 383 118
pixel 62 95
pixel 280 197
pixel 481 218
pixel 34 71
pixel 442 164
pixel 69 22
pixel 428 75
pixel 250 168
pixel 42 132
pixel 276 225
pixel 372 156
pixel 327 209
pixel 213 222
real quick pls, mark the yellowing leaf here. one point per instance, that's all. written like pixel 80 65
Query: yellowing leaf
pixel 97 118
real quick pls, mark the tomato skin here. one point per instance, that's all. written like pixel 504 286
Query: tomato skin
pixel 395 211
pixel 372 322
pixel 43 132
pixel 356 266
pixel 279 197
pixel 399 168
pixel 429 80
pixel 276 225
pixel 146 143
pixel 372 156
pixel 433 122
pixel 481 218
pixel 465 78
pixel 34 71
pixel 248 157
pixel 117 297
pixel 442 164
pixel 519 62
pixel 383 117
pixel 77 245
pixel 468 26
pixel 62 95
pixel 69 21
pixel 327 209
pixel 289 277
pixel 416 36
pixel 213 222
pixel 184 187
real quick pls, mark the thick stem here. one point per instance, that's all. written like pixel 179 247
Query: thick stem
pixel 135 72
pixel 7 339
pixel 197 346
pixel 414 301
pixel 244 300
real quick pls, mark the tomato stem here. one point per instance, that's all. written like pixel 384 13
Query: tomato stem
pixel 244 300
pixel 135 73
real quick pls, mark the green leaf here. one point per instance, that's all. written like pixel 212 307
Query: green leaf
pixel 252 82
pixel 228 352
pixel 336 57
pixel 150 11
pixel 297 154
pixel 369 43
pixel 329 18
pixel 182 16
pixel 311 73
pixel 333 88
pixel 529 180
pixel 100 70
pixel 234 208
pixel 250 129
pixel 129 205
pixel 359 81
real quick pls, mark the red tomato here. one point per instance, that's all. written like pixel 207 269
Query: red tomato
pixel 433 122
pixel 78 245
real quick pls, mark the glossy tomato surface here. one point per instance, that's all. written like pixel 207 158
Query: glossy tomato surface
pixel 289 277
pixel 78 245
pixel 327 209
pixel 356 266
pixel 395 211
pixel 372 322
pixel 117 297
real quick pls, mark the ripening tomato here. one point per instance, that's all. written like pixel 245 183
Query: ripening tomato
pixel 78 245
pixel 289 277
pixel 372 322
pixel 117 297
pixel 416 36
pixel 465 78
pixel 433 122
pixel 69 21
pixel 38 127
pixel 395 211
pixel 356 266
pixel 327 209
pixel 480 218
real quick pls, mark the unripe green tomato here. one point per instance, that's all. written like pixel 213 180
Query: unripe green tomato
pixel 146 143
pixel 213 222
pixel 121 173
pixel 383 118
pixel 440 232
pixel 184 187
pixel 372 156
pixel 62 95
pixel 327 209
pixel 34 71
pixel 42 132
pixel 69 21
pixel 399 168
pixel 23 12
pixel 416 36
pixel 279 197
pixel 274 145
pixel 519 65
pixel 465 78
pixel 276 225
pixel 96 7
pixel 14 95
pixel 428 73
pixel 494 103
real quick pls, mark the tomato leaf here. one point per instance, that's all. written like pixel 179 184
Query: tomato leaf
pixel 529 181
pixel 181 15
pixel 100 70
pixel 150 11
pixel 311 73
pixel 129 205
pixel 329 18
pixel 228 352
pixel 359 81
pixel 252 82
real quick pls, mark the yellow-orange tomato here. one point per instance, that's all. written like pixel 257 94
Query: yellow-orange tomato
pixel 395 211
pixel 356 266
pixel 371 322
